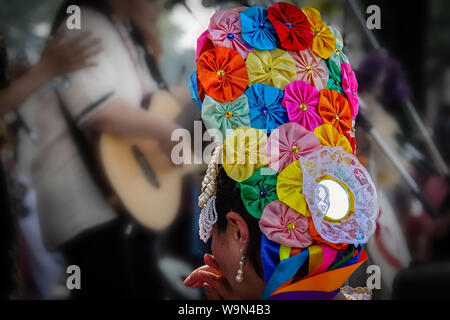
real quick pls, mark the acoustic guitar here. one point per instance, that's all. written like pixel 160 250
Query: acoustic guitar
pixel 146 182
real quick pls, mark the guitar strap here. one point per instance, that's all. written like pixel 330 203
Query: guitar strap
pixel 150 60
pixel 86 152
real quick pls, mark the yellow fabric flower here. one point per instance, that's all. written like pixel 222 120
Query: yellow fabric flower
pixel 324 42
pixel 330 136
pixel 275 68
pixel 244 152
pixel 290 188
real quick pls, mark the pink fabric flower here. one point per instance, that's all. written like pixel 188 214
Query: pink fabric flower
pixel 225 31
pixel 288 143
pixel 283 225
pixel 310 68
pixel 203 44
pixel 350 86
pixel 301 100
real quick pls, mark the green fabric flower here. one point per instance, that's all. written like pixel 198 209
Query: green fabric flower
pixel 338 56
pixel 259 190
pixel 335 80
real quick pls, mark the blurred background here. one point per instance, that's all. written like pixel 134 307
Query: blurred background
pixel 402 137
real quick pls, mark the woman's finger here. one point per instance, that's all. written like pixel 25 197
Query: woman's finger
pixel 79 39
pixel 220 284
pixel 210 261
pixel 197 275
pixel 87 45
pixel 89 53
pixel 79 66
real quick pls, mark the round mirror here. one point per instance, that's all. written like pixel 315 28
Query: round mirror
pixel 332 199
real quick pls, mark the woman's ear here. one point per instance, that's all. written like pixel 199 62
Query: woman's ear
pixel 238 229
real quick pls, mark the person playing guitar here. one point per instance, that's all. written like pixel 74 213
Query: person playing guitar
pixel 104 99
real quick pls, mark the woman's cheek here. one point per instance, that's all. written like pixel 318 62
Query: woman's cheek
pixel 221 254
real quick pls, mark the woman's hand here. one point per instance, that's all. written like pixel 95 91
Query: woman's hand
pixel 58 58
pixel 212 280
pixel 61 57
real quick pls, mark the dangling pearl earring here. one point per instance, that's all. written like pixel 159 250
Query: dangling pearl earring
pixel 240 272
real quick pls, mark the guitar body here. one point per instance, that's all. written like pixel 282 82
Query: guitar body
pixel 144 179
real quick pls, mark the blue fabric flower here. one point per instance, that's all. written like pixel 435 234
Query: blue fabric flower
pixel 257 30
pixel 193 87
pixel 266 111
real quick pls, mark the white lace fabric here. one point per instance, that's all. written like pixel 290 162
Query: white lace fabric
pixel 357 227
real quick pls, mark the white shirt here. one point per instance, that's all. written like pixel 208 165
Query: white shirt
pixel 69 201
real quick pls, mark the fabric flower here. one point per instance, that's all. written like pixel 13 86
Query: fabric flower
pixel 203 44
pixel 225 31
pixel 338 56
pixel 193 88
pixel 290 188
pixel 275 68
pixel 283 225
pixel 330 136
pixel 343 168
pixel 258 190
pixel 310 68
pixel 288 143
pixel 334 109
pixel 301 100
pixel 350 135
pixel 292 26
pixel 316 236
pixel 350 87
pixel 335 80
pixel 257 30
pixel 323 43
pixel 266 111
pixel 223 116
pixel 222 74
pixel 244 152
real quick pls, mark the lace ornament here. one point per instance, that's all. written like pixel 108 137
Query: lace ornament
pixel 360 224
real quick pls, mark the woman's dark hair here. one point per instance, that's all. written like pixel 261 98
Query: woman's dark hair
pixel 4 81
pixel 228 198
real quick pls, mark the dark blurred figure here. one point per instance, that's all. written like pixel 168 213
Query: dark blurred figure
pixel 57 59
pixel 116 256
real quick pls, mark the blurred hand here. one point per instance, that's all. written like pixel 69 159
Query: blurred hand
pixel 164 140
pixel 181 94
pixel 210 278
pixel 61 57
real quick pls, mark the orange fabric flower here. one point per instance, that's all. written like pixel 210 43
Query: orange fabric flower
pixel 316 236
pixel 222 74
pixel 334 109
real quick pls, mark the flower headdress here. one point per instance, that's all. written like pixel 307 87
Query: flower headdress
pixel 276 86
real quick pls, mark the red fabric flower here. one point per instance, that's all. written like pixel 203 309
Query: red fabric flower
pixel 291 25
pixel 352 139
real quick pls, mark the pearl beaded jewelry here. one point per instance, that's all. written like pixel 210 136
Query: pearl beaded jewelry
pixel 209 181
pixel 208 218
pixel 207 200
pixel 240 272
